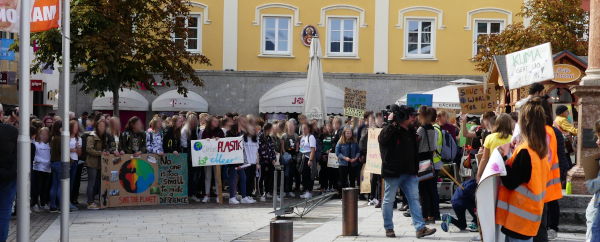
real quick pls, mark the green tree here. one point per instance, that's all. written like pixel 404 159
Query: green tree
pixel 119 44
pixel 563 23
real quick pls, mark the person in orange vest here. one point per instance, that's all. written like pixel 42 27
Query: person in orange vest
pixel 521 194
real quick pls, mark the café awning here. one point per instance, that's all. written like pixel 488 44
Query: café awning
pixel 289 98
pixel 129 100
pixel 173 101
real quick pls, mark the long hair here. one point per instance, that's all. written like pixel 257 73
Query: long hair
pixel 131 123
pixel 56 126
pixel 532 120
pixel 344 140
pixel 72 124
pixel 503 126
pixel 209 122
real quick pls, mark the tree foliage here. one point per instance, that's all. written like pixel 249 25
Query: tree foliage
pixel 563 23
pixel 118 44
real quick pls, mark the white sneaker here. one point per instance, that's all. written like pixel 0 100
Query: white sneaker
pixel 269 195
pixel 263 198
pixel 195 199
pixel 551 234
pixel 306 195
pixel 45 207
pixel 233 200
pixel 36 208
pixel 247 200
pixel 291 194
pixel 375 201
pixel 205 199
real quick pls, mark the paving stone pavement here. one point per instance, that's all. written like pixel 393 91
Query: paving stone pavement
pixel 200 222
pixel 39 224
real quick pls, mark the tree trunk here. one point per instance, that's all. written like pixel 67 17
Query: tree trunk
pixel 115 102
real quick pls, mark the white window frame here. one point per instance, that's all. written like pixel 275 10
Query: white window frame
pixel 341 54
pixel 198 36
pixel 431 55
pixel 488 22
pixel 276 53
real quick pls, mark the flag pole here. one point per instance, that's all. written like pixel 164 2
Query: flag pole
pixel 24 142
pixel 65 183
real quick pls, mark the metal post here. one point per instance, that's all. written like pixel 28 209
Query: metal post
pixel 24 146
pixel 65 151
pixel 275 188
pixel 282 231
pixel 281 186
pixel 350 211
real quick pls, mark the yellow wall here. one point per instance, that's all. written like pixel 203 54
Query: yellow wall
pixel 212 33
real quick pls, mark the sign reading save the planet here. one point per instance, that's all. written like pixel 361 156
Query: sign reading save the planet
pixel 212 152
pixel 129 181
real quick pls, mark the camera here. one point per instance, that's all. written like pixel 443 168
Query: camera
pixel 401 113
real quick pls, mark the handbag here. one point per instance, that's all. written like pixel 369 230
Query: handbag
pixel 425 166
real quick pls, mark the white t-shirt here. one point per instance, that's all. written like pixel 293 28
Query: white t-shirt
pixel 251 151
pixel 307 142
pixel 74 143
pixel 41 160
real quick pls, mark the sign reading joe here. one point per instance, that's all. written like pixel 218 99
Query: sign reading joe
pixel 211 152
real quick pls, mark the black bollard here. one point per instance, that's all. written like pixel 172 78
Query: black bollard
pixel 350 211
pixel 282 231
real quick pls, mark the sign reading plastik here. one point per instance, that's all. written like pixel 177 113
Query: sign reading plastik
pixel 373 154
pixel 474 100
pixel 211 152
pixel 172 182
pixel 355 102
pixel 129 181
pixel 529 66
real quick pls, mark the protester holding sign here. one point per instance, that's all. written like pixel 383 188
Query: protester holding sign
pixel 190 132
pixel 171 140
pixel 96 146
pixel 134 139
pixel 251 166
pixel 154 136
pixel 211 131
pixel 502 135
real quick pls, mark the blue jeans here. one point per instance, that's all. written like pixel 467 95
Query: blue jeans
pixel 235 176
pixel 510 239
pixel 410 187
pixel 55 188
pixel 596 228
pixel 8 190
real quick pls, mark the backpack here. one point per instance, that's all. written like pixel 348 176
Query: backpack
pixel 84 137
pixel 449 147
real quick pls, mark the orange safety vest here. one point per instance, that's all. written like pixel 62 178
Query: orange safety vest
pixel 553 185
pixel 520 210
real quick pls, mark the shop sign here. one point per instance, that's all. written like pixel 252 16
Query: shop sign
pixel 37 85
pixel 565 73
pixel 529 66
pixel 5 52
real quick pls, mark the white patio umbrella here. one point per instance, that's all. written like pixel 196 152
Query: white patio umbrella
pixel 314 98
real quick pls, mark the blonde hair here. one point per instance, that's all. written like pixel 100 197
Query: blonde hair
pixel 39 132
pixel 153 122
pixel 343 139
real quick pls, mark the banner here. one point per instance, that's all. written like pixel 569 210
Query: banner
pixel 129 181
pixel 332 161
pixel 45 15
pixel 474 100
pixel 224 151
pixel 5 52
pixel 373 164
pixel 355 102
pixel 529 66
pixel 173 176
pixel 418 100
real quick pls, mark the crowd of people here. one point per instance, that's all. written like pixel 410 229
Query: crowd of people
pixel 415 146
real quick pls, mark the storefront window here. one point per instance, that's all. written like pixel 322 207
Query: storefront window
pixel 561 95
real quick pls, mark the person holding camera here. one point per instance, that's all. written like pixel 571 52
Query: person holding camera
pixel 398 146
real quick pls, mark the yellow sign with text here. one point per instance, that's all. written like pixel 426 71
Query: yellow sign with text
pixel 565 73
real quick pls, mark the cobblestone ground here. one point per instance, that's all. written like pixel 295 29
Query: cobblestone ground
pixel 214 222
pixel 39 223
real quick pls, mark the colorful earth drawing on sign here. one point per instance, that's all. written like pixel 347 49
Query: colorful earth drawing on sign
pixel 198 146
pixel 136 175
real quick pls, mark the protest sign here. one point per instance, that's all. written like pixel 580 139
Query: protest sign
pixel 332 161
pixel 373 164
pixel 417 100
pixel 224 151
pixel 365 181
pixel 476 100
pixel 486 197
pixel 172 182
pixel 355 102
pixel 129 181
pixel 529 66
pixel 44 15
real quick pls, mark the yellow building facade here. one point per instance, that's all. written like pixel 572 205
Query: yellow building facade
pixel 431 37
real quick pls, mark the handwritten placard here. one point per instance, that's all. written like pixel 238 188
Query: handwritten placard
pixel 355 102
pixel 373 164
pixel 172 182
pixel 416 100
pixel 474 100
pixel 529 66
pixel 129 181
pixel 211 152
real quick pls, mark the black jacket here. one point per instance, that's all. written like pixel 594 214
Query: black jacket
pixel 398 147
pixel 8 152
pixel 171 141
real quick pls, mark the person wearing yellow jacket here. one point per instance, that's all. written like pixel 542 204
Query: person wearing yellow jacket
pixel 522 191
pixel 562 112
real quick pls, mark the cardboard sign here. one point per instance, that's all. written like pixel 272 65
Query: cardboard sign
pixel 211 152
pixel 44 15
pixel 373 164
pixel 173 176
pixel 418 100
pixel 474 100
pixel 332 161
pixel 365 181
pixel 355 102
pixel 486 197
pixel 529 66
pixel 565 73
pixel 129 181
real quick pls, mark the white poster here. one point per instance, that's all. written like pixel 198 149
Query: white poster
pixel 529 66
pixel 332 161
pixel 211 152
pixel 486 197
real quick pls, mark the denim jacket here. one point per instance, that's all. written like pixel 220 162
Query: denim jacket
pixel 349 150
